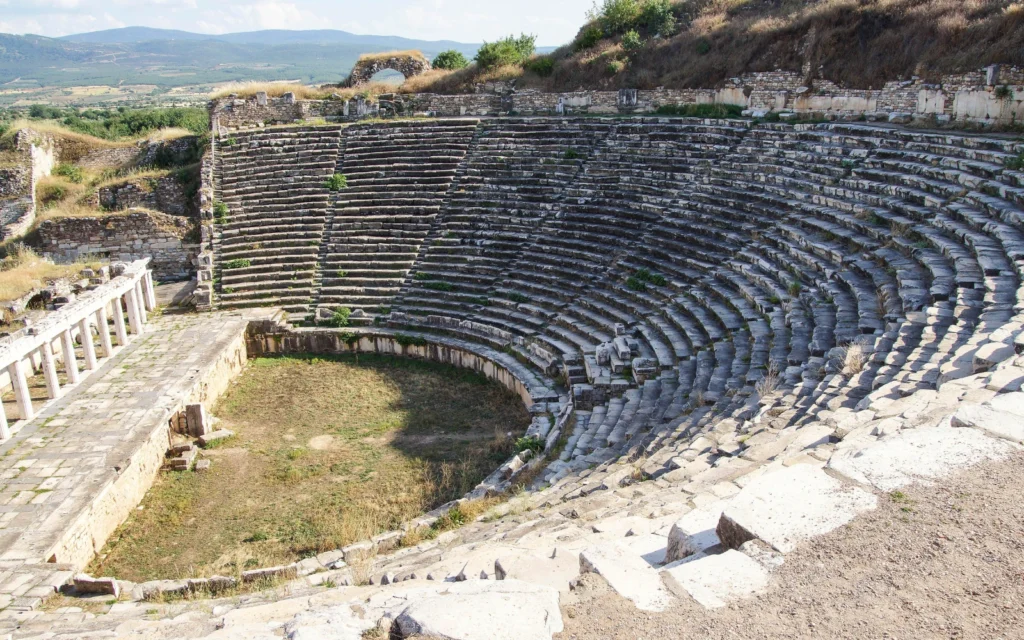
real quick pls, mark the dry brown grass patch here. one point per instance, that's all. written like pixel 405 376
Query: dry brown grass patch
pixel 272 89
pixel 387 55
pixel 24 270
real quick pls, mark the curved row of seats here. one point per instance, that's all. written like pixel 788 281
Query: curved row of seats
pixel 674 274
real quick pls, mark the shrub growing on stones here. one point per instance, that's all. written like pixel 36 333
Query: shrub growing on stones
pixel 510 50
pixel 529 443
pixel 220 211
pixel 337 182
pixel 239 263
pixel 1016 164
pixel 340 318
pixel 450 60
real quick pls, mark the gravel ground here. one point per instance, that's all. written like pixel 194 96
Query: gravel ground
pixel 940 561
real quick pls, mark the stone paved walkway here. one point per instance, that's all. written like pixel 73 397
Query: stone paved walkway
pixel 56 464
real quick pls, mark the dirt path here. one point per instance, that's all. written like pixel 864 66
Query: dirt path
pixel 945 561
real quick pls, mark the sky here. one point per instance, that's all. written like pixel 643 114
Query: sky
pixel 553 21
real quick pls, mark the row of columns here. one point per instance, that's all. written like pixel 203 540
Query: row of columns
pixel 136 302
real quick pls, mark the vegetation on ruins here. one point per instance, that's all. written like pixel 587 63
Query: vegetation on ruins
pixel 529 443
pixel 375 442
pixel 237 263
pixel 450 60
pixel 337 182
pixel 507 51
pixel 701 43
pixel 339 319
pixel 118 124
pixel 220 212
pixel 644 275
pixel 1016 164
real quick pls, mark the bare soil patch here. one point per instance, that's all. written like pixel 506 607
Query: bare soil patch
pixel 328 451
pixel 942 561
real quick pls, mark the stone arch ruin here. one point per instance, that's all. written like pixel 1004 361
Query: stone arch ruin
pixel 408 63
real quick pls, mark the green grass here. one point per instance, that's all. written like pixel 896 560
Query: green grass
pixel 329 450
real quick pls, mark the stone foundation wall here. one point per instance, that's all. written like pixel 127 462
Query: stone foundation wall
pixel 322 341
pixel 165 194
pixel 133 478
pixel 972 97
pixel 127 237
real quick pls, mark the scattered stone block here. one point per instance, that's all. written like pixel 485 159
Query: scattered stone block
pixel 184 461
pixel 484 610
pixel 197 420
pixel 556 572
pixel 694 533
pixel 359 551
pixel 286 572
pixel 209 438
pixel 87 585
pixel 628 574
pixel 917 455
pixel 715 581
pixel 789 507
pixel 1000 424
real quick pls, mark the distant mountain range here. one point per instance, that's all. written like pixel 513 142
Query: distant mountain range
pixel 135 35
pixel 165 59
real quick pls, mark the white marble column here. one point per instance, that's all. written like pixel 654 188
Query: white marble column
pixel 134 320
pixel 140 299
pixel 104 330
pixel 85 333
pixel 70 359
pixel 119 329
pixel 21 395
pixel 50 371
pixel 147 287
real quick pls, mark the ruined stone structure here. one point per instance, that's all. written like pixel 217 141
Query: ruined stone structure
pixel 169 241
pixel 409 64
pixel 992 96
pixel 733 337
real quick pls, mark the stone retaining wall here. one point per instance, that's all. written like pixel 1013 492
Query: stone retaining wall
pixel 166 194
pixel 968 97
pixel 125 237
pixel 322 341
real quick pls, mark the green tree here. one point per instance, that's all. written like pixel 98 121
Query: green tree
pixel 616 16
pixel 657 17
pixel 510 50
pixel 451 59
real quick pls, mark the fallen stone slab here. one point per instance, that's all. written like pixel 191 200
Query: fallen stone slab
pixel 917 455
pixel 286 572
pixel 790 506
pixel 1001 424
pixel 209 438
pixel 694 533
pixel 629 574
pixel 556 572
pixel 197 420
pixel 716 580
pixel 87 585
pixel 483 610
